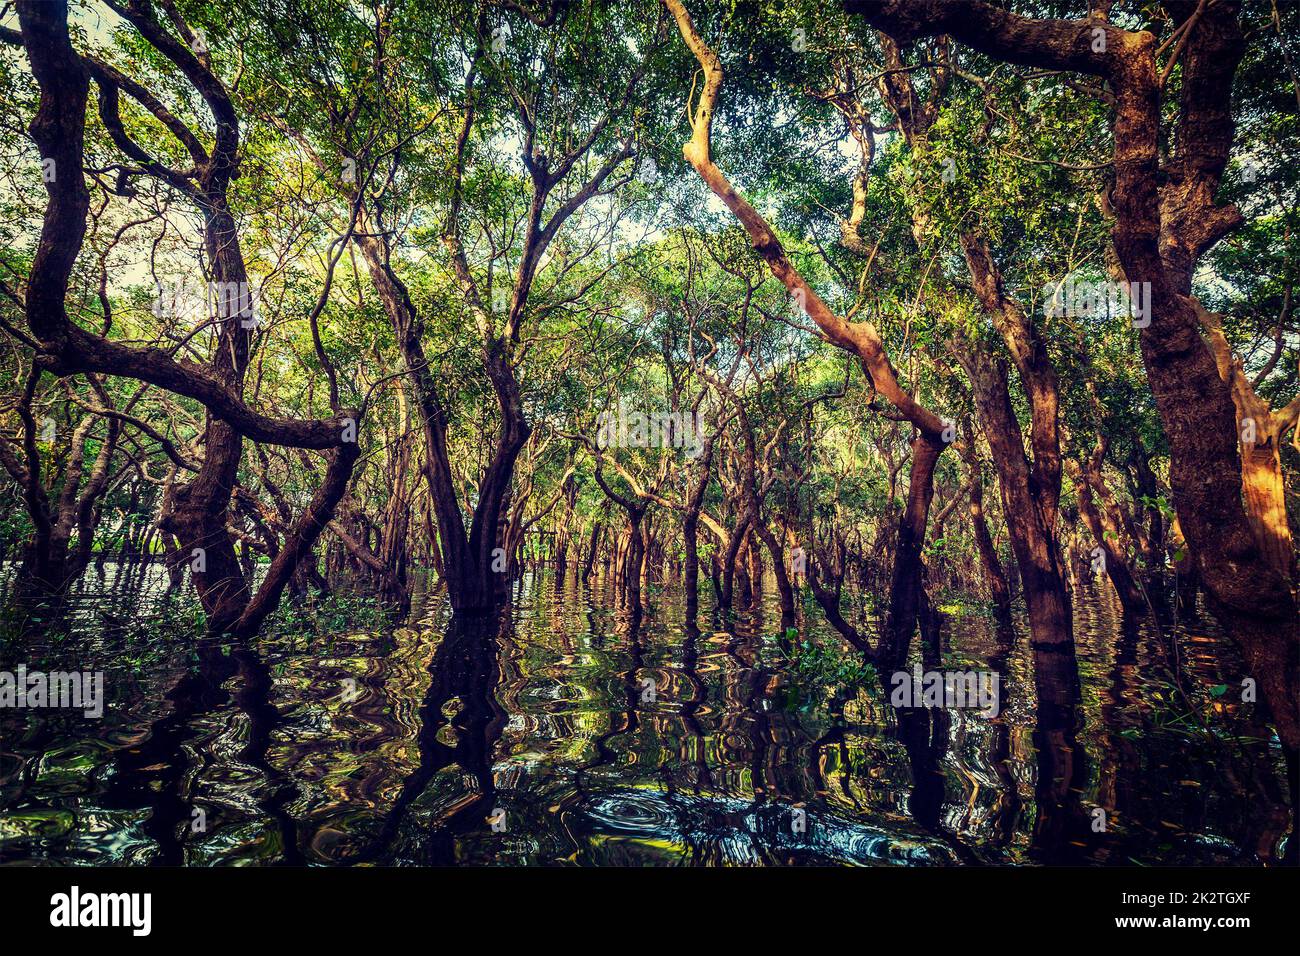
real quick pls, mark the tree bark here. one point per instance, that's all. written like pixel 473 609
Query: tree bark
pixel 908 577
pixel 1023 504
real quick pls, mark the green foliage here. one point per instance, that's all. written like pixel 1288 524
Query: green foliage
pixel 825 665
pixel 320 617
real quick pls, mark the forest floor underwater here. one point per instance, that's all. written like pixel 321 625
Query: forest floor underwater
pixel 570 732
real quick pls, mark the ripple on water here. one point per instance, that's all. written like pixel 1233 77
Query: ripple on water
pixel 606 741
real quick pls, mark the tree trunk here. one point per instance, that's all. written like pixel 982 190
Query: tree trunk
pixel 593 547
pixel 994 576
pixel 1101 525
pixel 907 581
pixel 1027 502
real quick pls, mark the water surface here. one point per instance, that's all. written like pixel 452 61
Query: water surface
pixel 589 738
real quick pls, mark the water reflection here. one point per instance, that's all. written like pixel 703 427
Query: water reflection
pixel 591 735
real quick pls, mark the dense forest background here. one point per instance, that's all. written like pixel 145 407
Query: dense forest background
pixel 888 307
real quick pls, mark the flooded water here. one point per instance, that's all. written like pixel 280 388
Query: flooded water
pixel 573 735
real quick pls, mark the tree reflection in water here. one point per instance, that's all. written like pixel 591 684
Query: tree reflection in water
pixel 613 738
